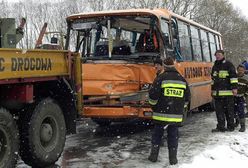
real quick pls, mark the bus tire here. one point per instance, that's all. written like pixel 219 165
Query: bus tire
pixel 9 140
pixel 102 122
pixel 209 107
pixel 43 133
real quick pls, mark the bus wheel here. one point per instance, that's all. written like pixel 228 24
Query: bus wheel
pixel 102 122
pixel 9 140
pixel 207 107
pixel 43 132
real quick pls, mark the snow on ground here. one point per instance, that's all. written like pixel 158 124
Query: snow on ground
pixel 198 148
pixel 229 149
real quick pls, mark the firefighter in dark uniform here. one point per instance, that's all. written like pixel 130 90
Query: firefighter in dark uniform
pixel 224 88
pixel 167 96
pixel 240 97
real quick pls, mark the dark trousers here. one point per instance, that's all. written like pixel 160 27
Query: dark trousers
pixel 224 108
pixel 239 107
pixel 172 135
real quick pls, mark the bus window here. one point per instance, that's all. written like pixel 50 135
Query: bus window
pixel 166 32
pixel 175 40
pixel 205 46
pixel 217 42
pixel 212 45
pixel 196 43
pixel 184 41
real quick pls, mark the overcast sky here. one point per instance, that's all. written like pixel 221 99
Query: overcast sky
pixel 241 4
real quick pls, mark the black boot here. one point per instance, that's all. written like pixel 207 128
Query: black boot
pixel 154 153
pixel 242 124
pixel 219 130
pixel 237 120
pixel 173 156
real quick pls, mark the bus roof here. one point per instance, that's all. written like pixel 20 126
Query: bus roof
pixel 137 12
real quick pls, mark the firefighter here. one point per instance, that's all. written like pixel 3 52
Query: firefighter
pixel 224 88
pixel 245 63
pixel 158 64
pixel 240 98
pixel 167 96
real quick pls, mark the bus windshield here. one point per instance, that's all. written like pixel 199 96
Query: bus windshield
pixel 116 37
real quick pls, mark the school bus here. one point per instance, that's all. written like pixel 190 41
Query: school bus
pixel 118 49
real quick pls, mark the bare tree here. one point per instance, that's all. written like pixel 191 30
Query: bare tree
pixel 4 9
pixel 221 16
pixel 216 14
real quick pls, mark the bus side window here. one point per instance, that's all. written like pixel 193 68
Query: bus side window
pixel 205 46
pixel 196 43
pixel 212 45
pixel 175 40
pixel 184 41
pixel 217 42
pixel 166 33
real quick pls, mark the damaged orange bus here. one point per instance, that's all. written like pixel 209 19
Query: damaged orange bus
pixel 118 49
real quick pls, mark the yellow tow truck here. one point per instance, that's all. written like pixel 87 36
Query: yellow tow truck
pixel 38 99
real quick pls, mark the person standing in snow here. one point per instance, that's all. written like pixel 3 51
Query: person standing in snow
pixel 167 96
pixel 224 88
pixel 240 97
pixel 245 63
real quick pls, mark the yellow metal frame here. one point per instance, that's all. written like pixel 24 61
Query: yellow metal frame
pixel 15 63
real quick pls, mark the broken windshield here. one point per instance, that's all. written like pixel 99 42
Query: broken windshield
pixel 117 37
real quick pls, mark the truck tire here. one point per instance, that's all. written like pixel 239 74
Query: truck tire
pixel 9 140
pixel 102 122
pixel 43 133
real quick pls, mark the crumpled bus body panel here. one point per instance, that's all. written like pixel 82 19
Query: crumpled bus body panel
pixel 114 79
pixel 120 79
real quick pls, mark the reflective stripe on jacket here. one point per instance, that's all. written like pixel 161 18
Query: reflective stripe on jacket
pixel 224 78
pixel 222 93
pixel 242 85
pixel 167 96
pixel 167 117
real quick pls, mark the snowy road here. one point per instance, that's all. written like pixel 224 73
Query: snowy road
pixel 127 145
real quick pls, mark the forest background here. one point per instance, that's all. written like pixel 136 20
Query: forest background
pixel 219 15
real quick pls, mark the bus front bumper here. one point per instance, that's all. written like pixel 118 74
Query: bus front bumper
pixel 116 112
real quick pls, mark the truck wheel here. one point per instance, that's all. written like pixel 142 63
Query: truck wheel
pixel 43 134
pixel 102 122
pixel 9 140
